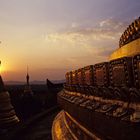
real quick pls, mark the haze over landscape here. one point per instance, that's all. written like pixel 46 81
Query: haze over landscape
pixel 55 36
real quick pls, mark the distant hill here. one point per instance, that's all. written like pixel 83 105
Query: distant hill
pixel 58 81
pixel 14 83
pixel 32 82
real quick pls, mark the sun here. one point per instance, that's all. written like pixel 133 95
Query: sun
pixel 2 69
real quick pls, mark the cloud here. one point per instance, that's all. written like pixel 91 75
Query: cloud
pixel 103 28
pixel 108 30
pixel 110 23
pixel 80 46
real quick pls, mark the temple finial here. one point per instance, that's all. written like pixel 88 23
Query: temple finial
pixel 27 77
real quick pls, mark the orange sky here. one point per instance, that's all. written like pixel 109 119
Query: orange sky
pixel 52 37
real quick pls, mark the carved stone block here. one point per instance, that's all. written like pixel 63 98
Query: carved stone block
pixel 80 76
pixel 101 74
pixel 70 77
pixel 67 78
pixel 120 72
pixel 88 72
pixel 74 77
pixel 136 70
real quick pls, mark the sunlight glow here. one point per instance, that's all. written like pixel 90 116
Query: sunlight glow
pixel 2 69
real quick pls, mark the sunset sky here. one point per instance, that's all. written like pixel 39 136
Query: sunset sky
pixel 56 36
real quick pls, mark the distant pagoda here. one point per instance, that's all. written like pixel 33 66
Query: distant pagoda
pixel 27 90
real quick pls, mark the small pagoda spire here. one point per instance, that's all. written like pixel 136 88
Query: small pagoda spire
pixel 27 89
pixel 27 77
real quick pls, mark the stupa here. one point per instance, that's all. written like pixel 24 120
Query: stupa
pixel 102 101
pixel 27 90
pixel 8 116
